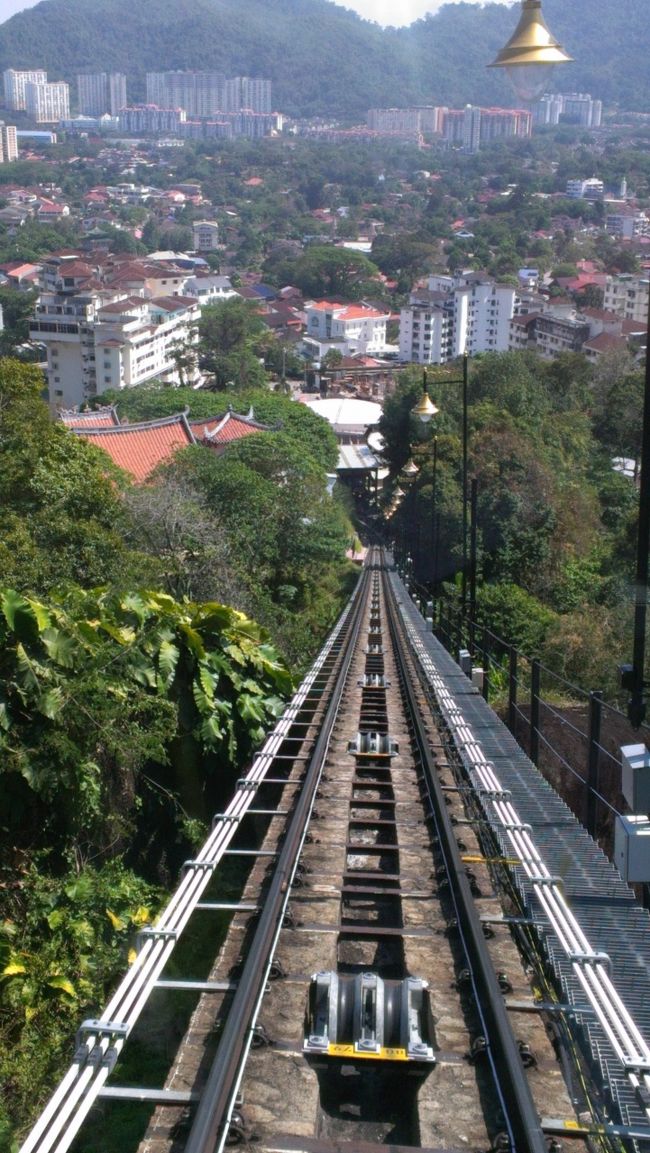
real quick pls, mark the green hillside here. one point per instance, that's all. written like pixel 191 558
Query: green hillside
pixel 323 58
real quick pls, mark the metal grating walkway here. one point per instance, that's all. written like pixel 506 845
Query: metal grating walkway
pixel 601 902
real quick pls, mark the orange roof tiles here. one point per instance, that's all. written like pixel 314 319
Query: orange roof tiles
pixel 221 430
pixel 140 448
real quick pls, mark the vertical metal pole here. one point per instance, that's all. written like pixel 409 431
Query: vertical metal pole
pixel 636 705
pixel 464 572
pixel 512 689
pixel 535 682
pixel 593 760
pixel 472 563
pixel 486 665
pixel 434 539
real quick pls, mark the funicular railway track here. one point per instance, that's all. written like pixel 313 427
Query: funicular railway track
pixel 402 1036
pixel 371 989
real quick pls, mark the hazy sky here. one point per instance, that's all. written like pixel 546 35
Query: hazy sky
pixel 383 11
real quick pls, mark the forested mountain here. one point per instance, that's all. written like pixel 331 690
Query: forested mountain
pixel 323 58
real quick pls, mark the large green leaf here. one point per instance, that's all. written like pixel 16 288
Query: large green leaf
pixel 168 657
pixel 61 648
pixel 26 618
pixel 50 703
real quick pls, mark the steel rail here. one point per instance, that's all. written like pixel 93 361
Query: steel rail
pixel 101 1041
pixel 209 1130
pixel 510 1078
pixel 590 967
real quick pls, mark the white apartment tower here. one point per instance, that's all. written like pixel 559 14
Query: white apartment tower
pixel 246 92
pixel 116 92
pixel 466 313
pixel 198 93
pixel 627 295
pixel 14 83
pixel 471 128
pixel 48 103
pixel 8 143
pixel 101 92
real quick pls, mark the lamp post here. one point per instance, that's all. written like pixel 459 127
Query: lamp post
pixel 531 53
pixel 425 410
pixel 636 675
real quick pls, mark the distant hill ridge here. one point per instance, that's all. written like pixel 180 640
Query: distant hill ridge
pixel 325 59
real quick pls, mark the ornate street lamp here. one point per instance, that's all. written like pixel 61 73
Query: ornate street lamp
pixel 425 409
pixel 531 53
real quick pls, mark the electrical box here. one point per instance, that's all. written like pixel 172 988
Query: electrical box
pixel 478 678
pixel 632 847
pixel 635 777
pixel 465 661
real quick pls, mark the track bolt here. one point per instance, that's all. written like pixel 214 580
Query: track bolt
pixel 528 1058
pixel 237 1130
pixel 260 1038
pixel 501 1143
pixel 488 931
pixel 463 979
pixel 504 983
pixel 478 1049
pixel 277 971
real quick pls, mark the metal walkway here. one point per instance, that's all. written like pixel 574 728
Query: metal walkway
pixel 611 920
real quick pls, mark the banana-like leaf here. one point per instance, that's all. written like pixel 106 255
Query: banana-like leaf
pixel 51 702
pixel 26 618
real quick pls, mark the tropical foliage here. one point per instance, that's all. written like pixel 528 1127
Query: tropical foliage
pixel 555 521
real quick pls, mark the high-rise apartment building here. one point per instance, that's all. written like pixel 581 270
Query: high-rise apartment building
pixel 8 143
pixel 148 118
pixel 576 107
pixel 247 93
pixel 471 126
pixel 116 92
pixel 14 84
pixel 101 92
pixel 47 103
pixel 425 118
pixel 198 93
pixel 456 314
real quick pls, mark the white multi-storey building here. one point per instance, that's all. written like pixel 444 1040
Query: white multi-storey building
pixel 592 189
pixel 247 93
pixel 101 92
pixel 456 314
pixel 14 84
pixel 148 118
pixel 8 143
pixel 426 329
pixel 351 328
pixel 47 103
pixel 627 295
pixel 198 93
pixel 100 340
pixel 206 235
pixel 627 223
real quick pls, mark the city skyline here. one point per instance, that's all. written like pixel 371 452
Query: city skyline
pixel 381 11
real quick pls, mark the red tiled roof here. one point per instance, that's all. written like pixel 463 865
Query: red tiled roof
pixel 140 448
pixel 225 429
pixel 605 341
pixel 360 312
pixel 175 303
